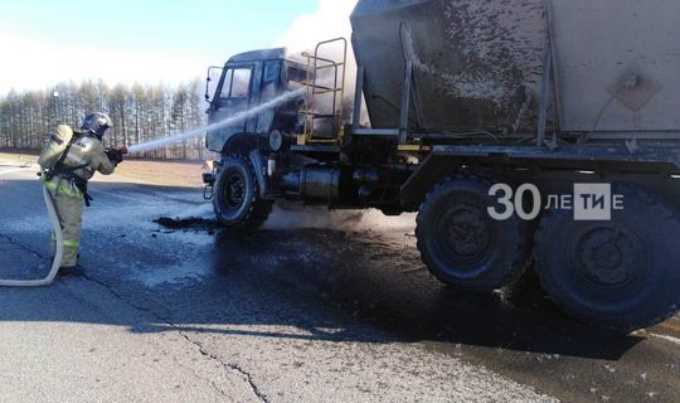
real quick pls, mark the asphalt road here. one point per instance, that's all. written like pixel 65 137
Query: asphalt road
pixel 342 311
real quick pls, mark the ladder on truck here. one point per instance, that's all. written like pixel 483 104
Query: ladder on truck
pixel 325 86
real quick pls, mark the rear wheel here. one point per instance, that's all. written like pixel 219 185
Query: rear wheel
pixel 462 245
pixel 620 274
pixel 237 202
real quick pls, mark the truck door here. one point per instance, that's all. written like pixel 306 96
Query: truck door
pixel 234 96
pixel 270 89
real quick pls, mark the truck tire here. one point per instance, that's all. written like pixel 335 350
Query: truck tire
pixel 462 245
pixel 621 274
pixel 237 201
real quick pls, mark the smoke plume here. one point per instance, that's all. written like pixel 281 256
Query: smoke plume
pixel 330 20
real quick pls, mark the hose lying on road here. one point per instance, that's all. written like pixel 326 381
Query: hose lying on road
pixel 58 256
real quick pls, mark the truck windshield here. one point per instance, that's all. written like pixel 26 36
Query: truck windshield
pixel 236 83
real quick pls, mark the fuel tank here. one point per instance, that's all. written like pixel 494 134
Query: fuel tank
pixel 478 65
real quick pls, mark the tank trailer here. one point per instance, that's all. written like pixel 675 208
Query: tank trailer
pixel 519 131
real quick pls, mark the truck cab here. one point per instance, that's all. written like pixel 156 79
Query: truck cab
pixel 278 124
pixel 247 80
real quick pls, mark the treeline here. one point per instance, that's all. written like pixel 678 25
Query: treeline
pixel 139 112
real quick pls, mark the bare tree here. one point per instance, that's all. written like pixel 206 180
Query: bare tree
pixel 140 113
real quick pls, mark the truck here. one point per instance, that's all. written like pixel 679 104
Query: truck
pixel 528 135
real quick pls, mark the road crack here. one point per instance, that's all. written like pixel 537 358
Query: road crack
pixel 230 367
pixel 245 375
pixel 249 378
pixel 14 242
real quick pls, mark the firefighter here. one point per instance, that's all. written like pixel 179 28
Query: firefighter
pixel 69 161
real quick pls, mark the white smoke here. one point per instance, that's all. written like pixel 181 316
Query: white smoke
pixel 286 216
pixel 330 20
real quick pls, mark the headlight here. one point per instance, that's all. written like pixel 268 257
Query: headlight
pixel 275 141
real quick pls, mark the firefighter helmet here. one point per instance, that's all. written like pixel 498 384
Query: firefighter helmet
pixel 97 124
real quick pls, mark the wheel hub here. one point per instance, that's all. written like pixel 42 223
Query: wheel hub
pixel 235 190
pixel 608 256
pixel 467 232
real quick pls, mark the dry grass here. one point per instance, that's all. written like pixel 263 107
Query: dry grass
pixel 182 174
pixel 162 173
pixel 19 157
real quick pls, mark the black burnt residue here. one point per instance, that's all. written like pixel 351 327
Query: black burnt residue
pixel 192 223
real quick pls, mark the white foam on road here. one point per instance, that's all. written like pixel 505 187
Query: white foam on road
pixel 349 220
pixel 170 276
pixel 121 210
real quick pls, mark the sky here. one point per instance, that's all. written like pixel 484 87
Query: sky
pixel 150 41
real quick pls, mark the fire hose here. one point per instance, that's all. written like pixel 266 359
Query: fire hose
pixel 59 250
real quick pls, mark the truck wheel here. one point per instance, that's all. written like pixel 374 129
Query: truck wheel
pixel 620 274
pixel 237 202
pixel 462 245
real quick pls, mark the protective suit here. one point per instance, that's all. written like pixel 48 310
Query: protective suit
pixel 66 170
